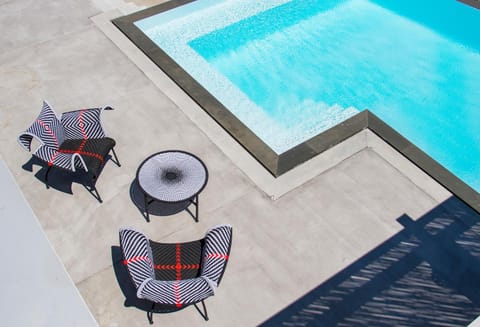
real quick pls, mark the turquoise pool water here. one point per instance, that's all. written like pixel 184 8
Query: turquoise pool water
pixel 291 69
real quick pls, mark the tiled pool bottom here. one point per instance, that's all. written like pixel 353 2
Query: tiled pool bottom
pixel 343 137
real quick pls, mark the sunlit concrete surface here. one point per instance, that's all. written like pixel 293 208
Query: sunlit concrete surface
pixel 283 246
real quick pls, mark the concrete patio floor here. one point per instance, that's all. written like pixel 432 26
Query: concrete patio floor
pixel 282 248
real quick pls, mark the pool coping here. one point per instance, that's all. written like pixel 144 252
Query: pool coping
pixel 278 165
pixel 472 3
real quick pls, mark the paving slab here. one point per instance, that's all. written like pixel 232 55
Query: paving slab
pixel 281 249
pixel 28 22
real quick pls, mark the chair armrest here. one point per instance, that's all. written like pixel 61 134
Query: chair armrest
pixel 25 140
pixel 84 123
pixel 46 128
pixel 137 255
pixel 58 159
pixel 218 242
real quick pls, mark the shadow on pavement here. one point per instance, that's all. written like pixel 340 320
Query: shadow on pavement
pixel 428 274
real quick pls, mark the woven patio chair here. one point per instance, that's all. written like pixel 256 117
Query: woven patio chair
pixel 174 276
pixel 75 141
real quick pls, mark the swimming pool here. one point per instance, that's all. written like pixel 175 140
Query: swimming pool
pixel 290 70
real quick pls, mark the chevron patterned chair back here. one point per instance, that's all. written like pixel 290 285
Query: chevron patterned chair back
pixel 76 140
pixel 173 276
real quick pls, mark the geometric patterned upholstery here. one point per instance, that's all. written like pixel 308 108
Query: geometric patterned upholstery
pixel 184 273
pixel 137 255
pixel 176 292
pixel 216 252
pixel 83 124
pixel 67 142
pixel 47 128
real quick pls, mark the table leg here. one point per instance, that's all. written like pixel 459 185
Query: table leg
pixel 146 207
pixel 195 202
pixel 196 208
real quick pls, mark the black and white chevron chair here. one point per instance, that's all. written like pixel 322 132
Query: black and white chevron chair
pixel 75 140
pixel 173 276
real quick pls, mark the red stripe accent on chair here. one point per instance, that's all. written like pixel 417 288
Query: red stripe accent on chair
pixel 52 159
pixel 176 292
pixel 82 145
pixel 178 265
pixel 83 153
pixel 49 131
pixel 217 256
pixel 135 259
pixel 82 129
pixel 183 267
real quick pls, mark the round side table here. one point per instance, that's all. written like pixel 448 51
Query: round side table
pixel 172 176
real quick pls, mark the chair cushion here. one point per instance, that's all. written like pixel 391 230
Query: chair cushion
pixel 176 261
pixel 92 151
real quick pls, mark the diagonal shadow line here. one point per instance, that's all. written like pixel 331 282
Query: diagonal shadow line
pixel 433 249
pixel 418 248
pixel 352 301
pixel 453 265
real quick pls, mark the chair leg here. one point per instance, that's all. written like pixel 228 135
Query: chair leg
pixel 95 193
pixel 93 190
pixel 116 161
pixel 46 176
pixel 204 314
pixel 150 314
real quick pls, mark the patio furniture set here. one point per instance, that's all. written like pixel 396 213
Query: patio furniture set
pixel 171 276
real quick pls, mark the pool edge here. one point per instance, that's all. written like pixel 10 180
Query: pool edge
pixel 278 165
pixel 471 3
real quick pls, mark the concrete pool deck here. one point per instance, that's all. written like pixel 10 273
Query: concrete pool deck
pixel 282 248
